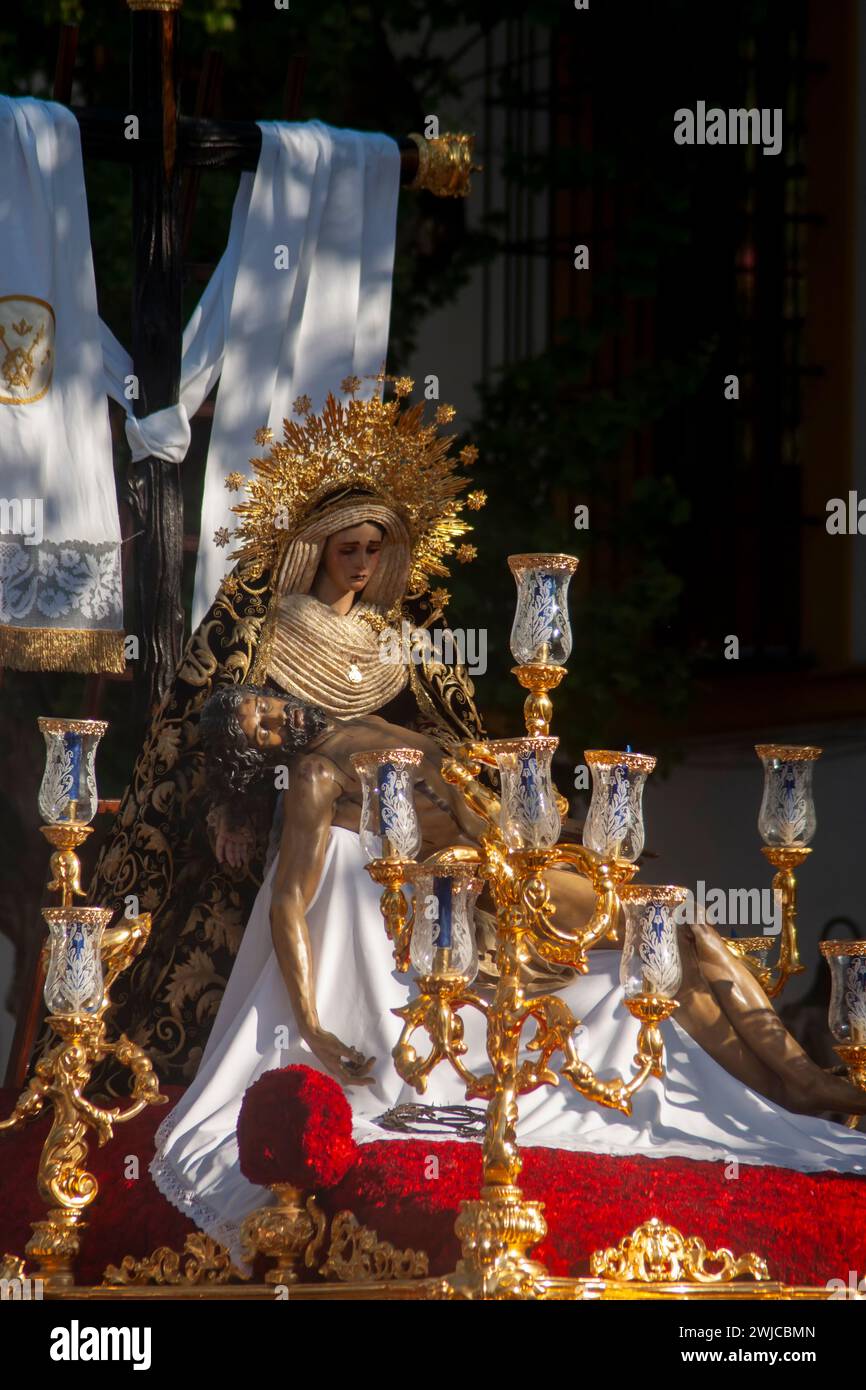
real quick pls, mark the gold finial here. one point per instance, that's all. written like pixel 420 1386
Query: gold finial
pixel 445 164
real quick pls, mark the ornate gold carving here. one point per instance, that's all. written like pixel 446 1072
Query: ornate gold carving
pixel 64 864
pixel 538 678
pixel 843 948
pixel 668 894
pixel 202 1261
pixel 517 563
pixel 356 1255
pixel 27 366
pixel 445 164
pixel 48 725
pixel 635 762
pixel 60 1078
pixel 291 1233
pixel 788 753
pixel 656 1253
pixel 11 1267
pixel 400 757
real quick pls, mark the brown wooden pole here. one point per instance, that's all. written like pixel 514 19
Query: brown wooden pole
pixel 154 486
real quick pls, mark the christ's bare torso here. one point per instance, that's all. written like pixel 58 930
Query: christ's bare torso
pixel 434 799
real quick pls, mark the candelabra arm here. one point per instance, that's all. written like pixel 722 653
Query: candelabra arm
pixel 398 915
pixel 785 859
pixel 569 947
pixel 462 772
pixel 616 1093
pixel 436 1011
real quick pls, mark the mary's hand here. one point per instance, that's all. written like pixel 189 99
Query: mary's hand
pixel 347 1064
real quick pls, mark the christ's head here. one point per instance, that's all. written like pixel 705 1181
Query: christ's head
pixel 246 731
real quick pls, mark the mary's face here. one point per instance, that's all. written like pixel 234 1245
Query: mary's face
pixel 351 557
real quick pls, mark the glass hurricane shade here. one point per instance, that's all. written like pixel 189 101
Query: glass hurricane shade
pixel 68 790
pixel 443 931
pixel 614 825
pixel 389 826
pixel 787 814
pixel 529 817
pixel 541 632
pixel 650 961
pixel 847 962
pixel 74 982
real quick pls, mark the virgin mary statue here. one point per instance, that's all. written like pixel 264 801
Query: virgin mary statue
pixel 362 468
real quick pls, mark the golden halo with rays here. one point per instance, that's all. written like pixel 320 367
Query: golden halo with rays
pixel 372 444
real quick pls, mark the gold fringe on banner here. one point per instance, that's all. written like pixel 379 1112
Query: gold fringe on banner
pixel 89 651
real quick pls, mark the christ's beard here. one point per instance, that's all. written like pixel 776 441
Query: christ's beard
pixel 315 722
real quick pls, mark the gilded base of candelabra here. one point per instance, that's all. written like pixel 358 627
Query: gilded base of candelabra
pixel 496 1233
pixel 854 1057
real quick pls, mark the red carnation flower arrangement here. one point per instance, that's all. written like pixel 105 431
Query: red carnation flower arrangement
pixel 295 1127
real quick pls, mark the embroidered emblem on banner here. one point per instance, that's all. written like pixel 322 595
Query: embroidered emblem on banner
pixel 26 348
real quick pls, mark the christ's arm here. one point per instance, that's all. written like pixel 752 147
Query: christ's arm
pixel 307 817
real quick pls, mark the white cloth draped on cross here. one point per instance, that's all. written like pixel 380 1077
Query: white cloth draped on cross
pixel 60 591
pixel 300 299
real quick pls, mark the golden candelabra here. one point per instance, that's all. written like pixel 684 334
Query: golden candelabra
pixel 847 962
pixel 84 959
pixel 60 1079
pixel 498 1230
pixel 786 822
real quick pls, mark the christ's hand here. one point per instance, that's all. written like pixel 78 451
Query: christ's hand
pixel 331 1052
pixel 232 847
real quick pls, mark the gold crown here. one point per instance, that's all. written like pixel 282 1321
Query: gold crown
pixel 370 444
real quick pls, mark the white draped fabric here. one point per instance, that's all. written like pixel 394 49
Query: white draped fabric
pixel 698 1111
pixel 60 587
pixel 300 300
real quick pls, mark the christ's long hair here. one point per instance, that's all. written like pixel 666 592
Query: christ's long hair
pixel 234 765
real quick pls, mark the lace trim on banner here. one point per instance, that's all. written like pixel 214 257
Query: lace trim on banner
pixel 60 583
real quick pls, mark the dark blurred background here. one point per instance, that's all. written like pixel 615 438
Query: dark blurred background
pixel 602 387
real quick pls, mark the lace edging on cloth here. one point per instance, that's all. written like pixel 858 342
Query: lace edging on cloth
pixel 225 1233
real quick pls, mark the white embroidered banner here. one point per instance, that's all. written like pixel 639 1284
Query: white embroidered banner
pixel 60 591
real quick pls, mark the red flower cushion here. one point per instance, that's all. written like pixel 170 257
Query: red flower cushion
pixel 295 1126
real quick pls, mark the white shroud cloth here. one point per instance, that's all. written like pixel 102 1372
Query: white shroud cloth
pixel 698 1111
